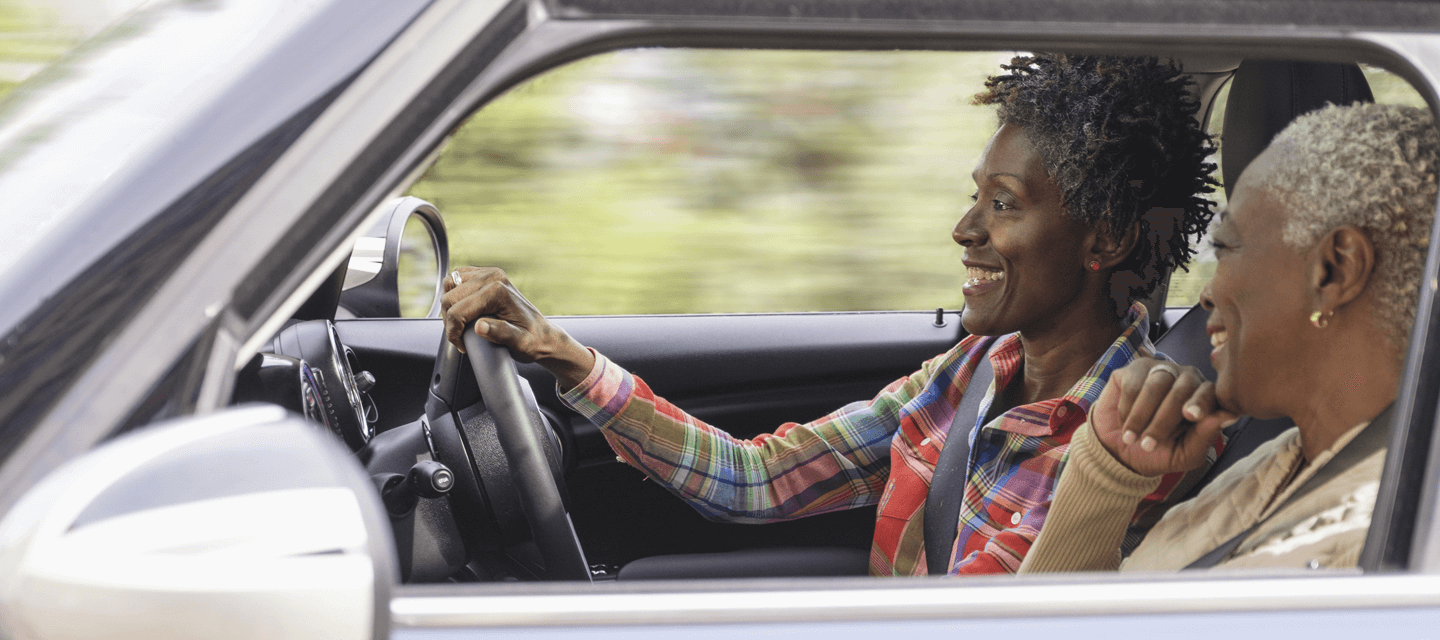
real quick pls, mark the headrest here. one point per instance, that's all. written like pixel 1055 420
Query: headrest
pixel 1265 96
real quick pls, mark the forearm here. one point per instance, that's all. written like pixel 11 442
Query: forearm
pixel 792 473
pixel 1094 503
pixel 565 358
pixel 837 462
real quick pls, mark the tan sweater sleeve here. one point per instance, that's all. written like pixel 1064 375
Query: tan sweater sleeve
pixel 1093 505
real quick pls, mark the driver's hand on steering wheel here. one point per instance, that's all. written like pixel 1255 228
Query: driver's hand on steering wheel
pixel 511 321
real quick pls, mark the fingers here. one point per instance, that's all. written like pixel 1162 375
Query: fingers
pixel 1105 413
pixel 1194 443
pixel 502 315
pixel 1104 417
pixel 1202 403
pixel 1164 397
pixel 1163 417
pixel 1149 399
pixel 1214 422
pixel 488 299
pixel 467 279
pixel 467 298
pixel 1128 383
pixel 501 332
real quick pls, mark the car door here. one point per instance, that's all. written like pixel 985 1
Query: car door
pixel 1087 605
pixel 284 234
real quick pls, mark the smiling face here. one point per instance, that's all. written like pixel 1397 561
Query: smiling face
pixel 1259 325
pixel 1024 256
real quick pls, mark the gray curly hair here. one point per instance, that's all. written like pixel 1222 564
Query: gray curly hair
pixel 1370 166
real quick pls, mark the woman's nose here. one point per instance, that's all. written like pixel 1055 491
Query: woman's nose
pixel 968 231
pixel 1206 302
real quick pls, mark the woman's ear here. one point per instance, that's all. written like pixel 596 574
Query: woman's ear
pixel 1341 266
pixel 1110 248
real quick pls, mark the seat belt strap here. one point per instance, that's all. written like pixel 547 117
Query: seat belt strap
pixel 1372 438
pixel 947 484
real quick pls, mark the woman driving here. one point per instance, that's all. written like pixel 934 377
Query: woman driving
pixel 1088 194
pixel 1321 254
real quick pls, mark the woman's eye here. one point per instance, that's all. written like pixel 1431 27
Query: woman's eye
pixel 975 197
pixel 1218 245
pixel 999 206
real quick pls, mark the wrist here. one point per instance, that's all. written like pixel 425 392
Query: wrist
pixel 1110 446
pixel 568 360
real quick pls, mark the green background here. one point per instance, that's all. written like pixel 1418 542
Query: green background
pixel 702 181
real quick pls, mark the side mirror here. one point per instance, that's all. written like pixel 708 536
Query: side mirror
pixel 247 523
pixel 395 270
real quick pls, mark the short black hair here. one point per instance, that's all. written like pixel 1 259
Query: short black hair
pixel 1120 138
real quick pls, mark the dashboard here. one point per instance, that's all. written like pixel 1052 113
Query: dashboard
pixel 306 369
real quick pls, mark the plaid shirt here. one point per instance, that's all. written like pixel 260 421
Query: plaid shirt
pixel 883 450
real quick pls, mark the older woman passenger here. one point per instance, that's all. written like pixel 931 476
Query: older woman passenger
pixel 1321 253
pixel 1087 194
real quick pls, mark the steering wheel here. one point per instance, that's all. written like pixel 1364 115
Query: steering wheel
pixel 523 450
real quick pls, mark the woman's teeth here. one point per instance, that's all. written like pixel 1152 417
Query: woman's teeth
pixel 978 275
pixel 1218 338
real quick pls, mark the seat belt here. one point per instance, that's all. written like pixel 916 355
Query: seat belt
pixel 1372 438
pixel 947 484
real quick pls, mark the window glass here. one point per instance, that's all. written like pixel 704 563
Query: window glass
pixel 1390 88
pixel 703 181
pixel 1387 88
pixel 1186 282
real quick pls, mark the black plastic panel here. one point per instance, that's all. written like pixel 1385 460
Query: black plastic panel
pixel 746 373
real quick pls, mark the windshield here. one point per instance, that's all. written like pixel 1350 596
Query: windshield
pixel 116 100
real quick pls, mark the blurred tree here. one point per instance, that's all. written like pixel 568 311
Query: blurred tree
pixel 31 36
pixel 694 181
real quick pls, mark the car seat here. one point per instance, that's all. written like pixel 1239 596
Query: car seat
pixel 1265 96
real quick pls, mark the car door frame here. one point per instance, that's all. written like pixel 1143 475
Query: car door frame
pixel 701 604
pixel 293 228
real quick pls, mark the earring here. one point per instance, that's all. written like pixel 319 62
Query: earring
pixel 1094 265
pixel 1320 320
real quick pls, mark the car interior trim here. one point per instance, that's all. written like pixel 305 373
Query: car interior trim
pixel 1401 535
pixel 828 599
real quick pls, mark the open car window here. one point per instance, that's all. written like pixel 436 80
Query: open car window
pixel 685 181
pixel 704 181
pixel 1185 284
pixel 721 181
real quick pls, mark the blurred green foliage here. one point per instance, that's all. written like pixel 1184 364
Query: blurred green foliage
pixel 30 37
pixel 1391 89
pixel 696 181
pixel 705 181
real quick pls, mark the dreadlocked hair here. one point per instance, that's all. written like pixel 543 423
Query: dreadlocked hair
pixel 1120 138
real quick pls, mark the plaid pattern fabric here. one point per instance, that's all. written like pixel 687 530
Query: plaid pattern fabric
pixel 883 450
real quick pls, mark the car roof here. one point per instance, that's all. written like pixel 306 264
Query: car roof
pixel 1404 15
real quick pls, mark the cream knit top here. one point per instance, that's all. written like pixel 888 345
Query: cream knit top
pixel 1097 495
